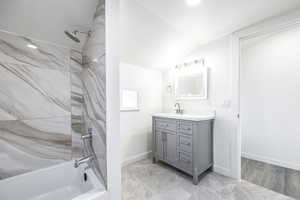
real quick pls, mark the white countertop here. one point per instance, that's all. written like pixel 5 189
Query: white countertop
pixel 199 117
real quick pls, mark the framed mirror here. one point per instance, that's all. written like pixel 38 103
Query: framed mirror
pixel 191 82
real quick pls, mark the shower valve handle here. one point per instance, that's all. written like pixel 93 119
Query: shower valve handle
pixel 87 136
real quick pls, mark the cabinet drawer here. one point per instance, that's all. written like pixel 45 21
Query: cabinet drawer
pixel 166 125
pixel 185 143
pixel 186 128
pixel 185 161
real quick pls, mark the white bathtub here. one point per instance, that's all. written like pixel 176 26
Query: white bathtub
pixel 60 182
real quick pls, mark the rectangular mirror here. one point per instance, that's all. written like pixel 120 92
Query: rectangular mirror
pixel 191 83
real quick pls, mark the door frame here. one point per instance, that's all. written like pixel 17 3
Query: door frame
pixel 272 25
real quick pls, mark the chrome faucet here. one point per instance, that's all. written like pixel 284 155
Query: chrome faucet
pixel 83 160
pixel 178 110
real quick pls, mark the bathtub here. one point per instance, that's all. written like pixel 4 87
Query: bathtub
pixel 60 182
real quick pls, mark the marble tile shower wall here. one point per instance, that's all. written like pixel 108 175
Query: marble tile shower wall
pixel 40 110
pixel 94 92
pixel 77 103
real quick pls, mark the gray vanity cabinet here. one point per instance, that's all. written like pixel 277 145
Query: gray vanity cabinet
pixel 166 143
pixel 184 144
pixel 170 147
pixel 159 145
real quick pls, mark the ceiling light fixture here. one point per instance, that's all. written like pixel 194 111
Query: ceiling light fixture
pixel 193 2
pixel 32 46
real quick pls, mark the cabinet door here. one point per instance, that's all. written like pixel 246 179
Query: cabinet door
pixel 170 147
pixel 159 145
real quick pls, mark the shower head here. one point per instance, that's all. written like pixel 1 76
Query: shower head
pixel 72 36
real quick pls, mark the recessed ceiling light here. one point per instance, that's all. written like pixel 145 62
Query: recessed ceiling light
pixel 193 2
pixel 32 46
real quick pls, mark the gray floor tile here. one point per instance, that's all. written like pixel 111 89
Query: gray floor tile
pixel 146 181
pixel 275 178
pixel 292 181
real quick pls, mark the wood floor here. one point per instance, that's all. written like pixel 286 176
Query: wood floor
pixel 279 179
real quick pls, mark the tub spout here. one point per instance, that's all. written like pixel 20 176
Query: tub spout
pixel 83 160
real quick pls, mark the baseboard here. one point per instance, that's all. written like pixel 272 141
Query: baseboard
pixel 136 158
pixel 221 170
pixel 271 161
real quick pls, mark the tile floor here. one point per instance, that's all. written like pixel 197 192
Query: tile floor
pixel 146 181
pixel 279 179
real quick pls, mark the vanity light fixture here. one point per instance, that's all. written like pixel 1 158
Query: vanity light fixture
pixel 186 64
pixel 31 46
pixel 193 3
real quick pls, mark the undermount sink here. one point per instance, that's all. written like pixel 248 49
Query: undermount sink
pixel 200 117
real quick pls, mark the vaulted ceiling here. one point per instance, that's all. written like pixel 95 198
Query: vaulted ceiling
pixel 159 33
pixel 47 20
pixel 154 33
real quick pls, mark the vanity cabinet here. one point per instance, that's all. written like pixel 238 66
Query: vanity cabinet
pixel 184 144
pixel 166 146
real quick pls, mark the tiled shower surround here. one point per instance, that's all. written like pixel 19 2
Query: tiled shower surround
pixel 35 105
pixel 49 97
pixel 94 92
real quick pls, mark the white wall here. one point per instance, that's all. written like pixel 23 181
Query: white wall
pixel 270 98
pixel 113 141
pixel 217 57
pixel 136 126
